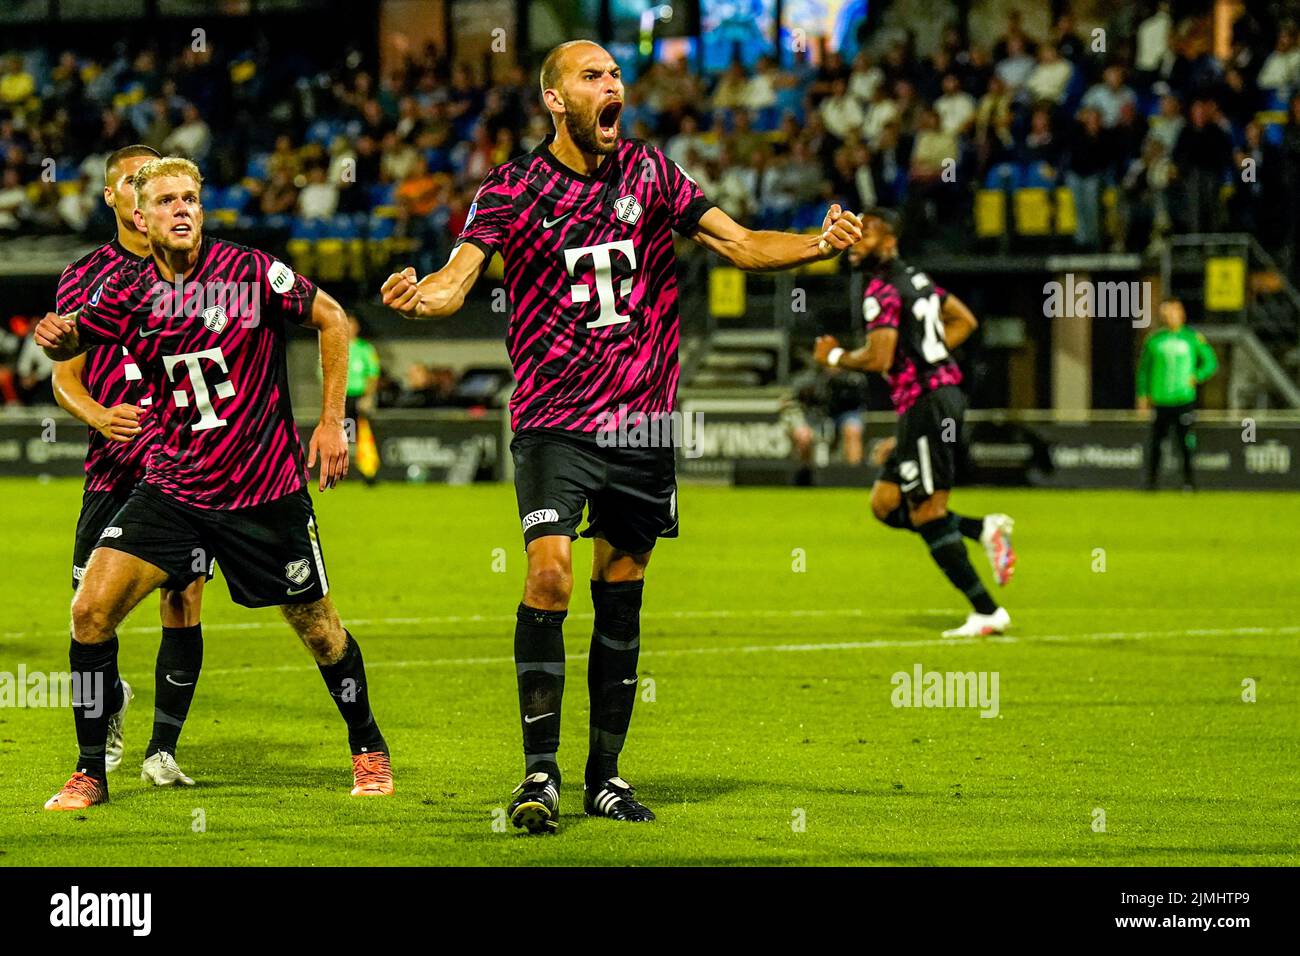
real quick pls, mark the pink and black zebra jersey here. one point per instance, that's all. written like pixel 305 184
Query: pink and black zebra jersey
pixel 900 297
pixel 592 281
pixel 111 376
pixel 214 343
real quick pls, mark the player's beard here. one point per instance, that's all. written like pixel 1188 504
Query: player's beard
pixel 582 130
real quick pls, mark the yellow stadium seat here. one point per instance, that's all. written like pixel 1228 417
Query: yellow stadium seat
pixel 1033 211
pixel 300 253
pixel 990 213
pixel 1066 220
pixel 329 259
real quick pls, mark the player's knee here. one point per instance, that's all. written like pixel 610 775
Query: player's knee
pixel 548 587
pixel 90 622
pixel 930 509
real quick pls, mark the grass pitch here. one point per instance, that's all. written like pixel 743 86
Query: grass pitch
pixel 771 631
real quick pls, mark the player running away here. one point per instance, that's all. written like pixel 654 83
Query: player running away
pixel 912 326
pixel 205 321
pixel 103 387
pixel 584 224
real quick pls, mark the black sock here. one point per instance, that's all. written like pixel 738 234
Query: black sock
pixel 175 676
pixel 97 697
pixel 969 527
pixel 899 518
pixel 346 680
pixel 611 672
pixel 949 552
pixel 539 669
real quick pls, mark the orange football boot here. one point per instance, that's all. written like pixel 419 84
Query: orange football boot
pixel 372 776
pixel 80 792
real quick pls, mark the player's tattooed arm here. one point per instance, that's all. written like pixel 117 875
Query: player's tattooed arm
pixel 958 322
pixel 768 251
pixel 57 335
pixel 440 293
pixel 876 356
pixel 329 440
pixel 120 423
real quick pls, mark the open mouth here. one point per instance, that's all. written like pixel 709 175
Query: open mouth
pixel 607 118
pixel 182 229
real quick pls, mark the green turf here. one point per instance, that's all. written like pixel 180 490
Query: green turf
pixel 1122 690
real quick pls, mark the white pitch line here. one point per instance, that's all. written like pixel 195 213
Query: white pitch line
pixel 803 648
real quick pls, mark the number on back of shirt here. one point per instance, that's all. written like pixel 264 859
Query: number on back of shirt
pixel 927 312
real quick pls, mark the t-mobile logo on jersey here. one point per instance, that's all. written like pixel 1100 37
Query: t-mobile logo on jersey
pixel 199 385
pixel 602 262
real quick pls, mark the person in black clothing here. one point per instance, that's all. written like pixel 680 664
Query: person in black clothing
pixel 1202 158
pixel 1090 159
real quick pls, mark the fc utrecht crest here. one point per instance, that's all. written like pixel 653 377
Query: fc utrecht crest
pixel 214 317
pixel 297 571
pixel 628 209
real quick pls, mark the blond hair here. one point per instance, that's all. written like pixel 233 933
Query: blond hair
pixel 167 166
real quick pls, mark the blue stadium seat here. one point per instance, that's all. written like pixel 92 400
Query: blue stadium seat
pixel 1003 176
pixel 259 166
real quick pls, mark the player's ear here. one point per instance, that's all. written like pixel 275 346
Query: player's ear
pixel 138 218
pixel 110 199
pixel 554 102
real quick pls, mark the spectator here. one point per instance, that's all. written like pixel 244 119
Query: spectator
pixel 1013 38
pixel 16 84
pixel 1042 147
pixel 1153 35
pixel 1089 160
pixel 993 140
pixel 1014 68
pixel 1145 195
pixel 1168 123
pixel 1280 74
pixel 1258 201
pixel 319 199
pixel 1050 76
pixel 191 139
pixel 280 196
pixel 13 199
pixel 1109 96
pixel 865 79
pixel 841 112
pixel 881 111
pixel 956 107
pixel 1202 160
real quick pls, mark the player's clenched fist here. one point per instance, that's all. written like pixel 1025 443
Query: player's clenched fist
pixel 401 292
pixel 840 229
pixel 120 423
pixel 823 347
pixel 57 336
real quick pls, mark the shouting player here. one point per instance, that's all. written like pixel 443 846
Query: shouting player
pixel 103 387
pixel 912 325
pixel 584 224
pixel 206 321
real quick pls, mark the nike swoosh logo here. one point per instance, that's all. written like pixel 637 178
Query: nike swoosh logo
pixel 548 223
pixel 533 720
pixel 145 335
pixel 291 591
pixel 630 681
pixel 177 684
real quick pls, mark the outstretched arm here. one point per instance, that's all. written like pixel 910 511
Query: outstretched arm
pixel 120 423
pixel 958 322
pixel 768 251
pixel 440 293
pixel 876 356
pixel 329 319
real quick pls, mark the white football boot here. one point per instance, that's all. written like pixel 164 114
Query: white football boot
pixel 982 625
pixel 161 770
pixel 996 538
pixel 114 746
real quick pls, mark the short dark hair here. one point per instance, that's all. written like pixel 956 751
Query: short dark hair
pixel 888 216
pixel 128 152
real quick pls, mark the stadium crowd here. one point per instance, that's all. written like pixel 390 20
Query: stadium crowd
pixel 1143 119
pixel 1153 113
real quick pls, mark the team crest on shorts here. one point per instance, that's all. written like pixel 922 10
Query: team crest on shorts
pixel 627 209
pixel 215 318
pixel 297 571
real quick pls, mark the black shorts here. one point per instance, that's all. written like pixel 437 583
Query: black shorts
pixel 630 493
pixel 269 554
pixel 929 439
pixel 98 509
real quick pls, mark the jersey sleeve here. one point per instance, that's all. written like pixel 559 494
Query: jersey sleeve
pixel 103 317
pixel 284 291
pixel 686 200
pixel 881 306
pixel 70 296
pixel 490 214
